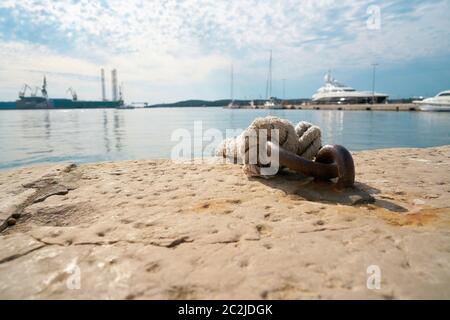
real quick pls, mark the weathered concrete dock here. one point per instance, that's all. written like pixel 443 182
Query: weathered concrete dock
pixel 348 107
pixel 358 107
pixel 165 230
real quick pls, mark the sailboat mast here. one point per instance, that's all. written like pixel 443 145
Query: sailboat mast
pixel 270 75
pixel 269 79
pixel 232 83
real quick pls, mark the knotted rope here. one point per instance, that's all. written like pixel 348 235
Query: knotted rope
pixel 304 140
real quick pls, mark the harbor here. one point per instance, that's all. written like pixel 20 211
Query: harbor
pixel 39 98
pixel 163 187
pixel 224 154
pixel 333 95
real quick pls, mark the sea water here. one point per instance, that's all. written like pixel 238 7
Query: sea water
pixel 45 136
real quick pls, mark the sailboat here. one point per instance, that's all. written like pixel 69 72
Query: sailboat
pixel 271 102
pixel 232 104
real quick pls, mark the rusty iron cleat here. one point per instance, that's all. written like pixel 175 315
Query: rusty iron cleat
pixel 332 161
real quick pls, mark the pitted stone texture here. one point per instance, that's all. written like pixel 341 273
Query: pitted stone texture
pixel 166 230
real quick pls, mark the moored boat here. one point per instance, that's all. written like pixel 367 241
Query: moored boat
pixel 33 101
pixel 334 92
pixel 441 102
pixel 273 103
pixel 233 105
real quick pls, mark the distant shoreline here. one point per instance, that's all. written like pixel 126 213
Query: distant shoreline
pixel 300 103
pixel 343 107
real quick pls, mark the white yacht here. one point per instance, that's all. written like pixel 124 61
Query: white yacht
pixel 335 92
pixel 441 102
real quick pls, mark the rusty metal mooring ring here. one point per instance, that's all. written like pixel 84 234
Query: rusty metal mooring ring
pixel 332 161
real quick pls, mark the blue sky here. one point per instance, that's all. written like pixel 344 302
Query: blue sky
pixel 174 50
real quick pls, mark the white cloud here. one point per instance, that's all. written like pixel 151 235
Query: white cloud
pixel 27 63
pixel 160 44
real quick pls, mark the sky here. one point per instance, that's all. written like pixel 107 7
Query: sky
pixel 167 51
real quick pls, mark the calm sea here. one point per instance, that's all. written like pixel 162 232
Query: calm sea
pixel 42 136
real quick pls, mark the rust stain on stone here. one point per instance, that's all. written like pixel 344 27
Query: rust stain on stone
pixel 420 218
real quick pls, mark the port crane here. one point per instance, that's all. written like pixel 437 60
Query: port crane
pixel 23 92
pixel 25 87
pixel 73 93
